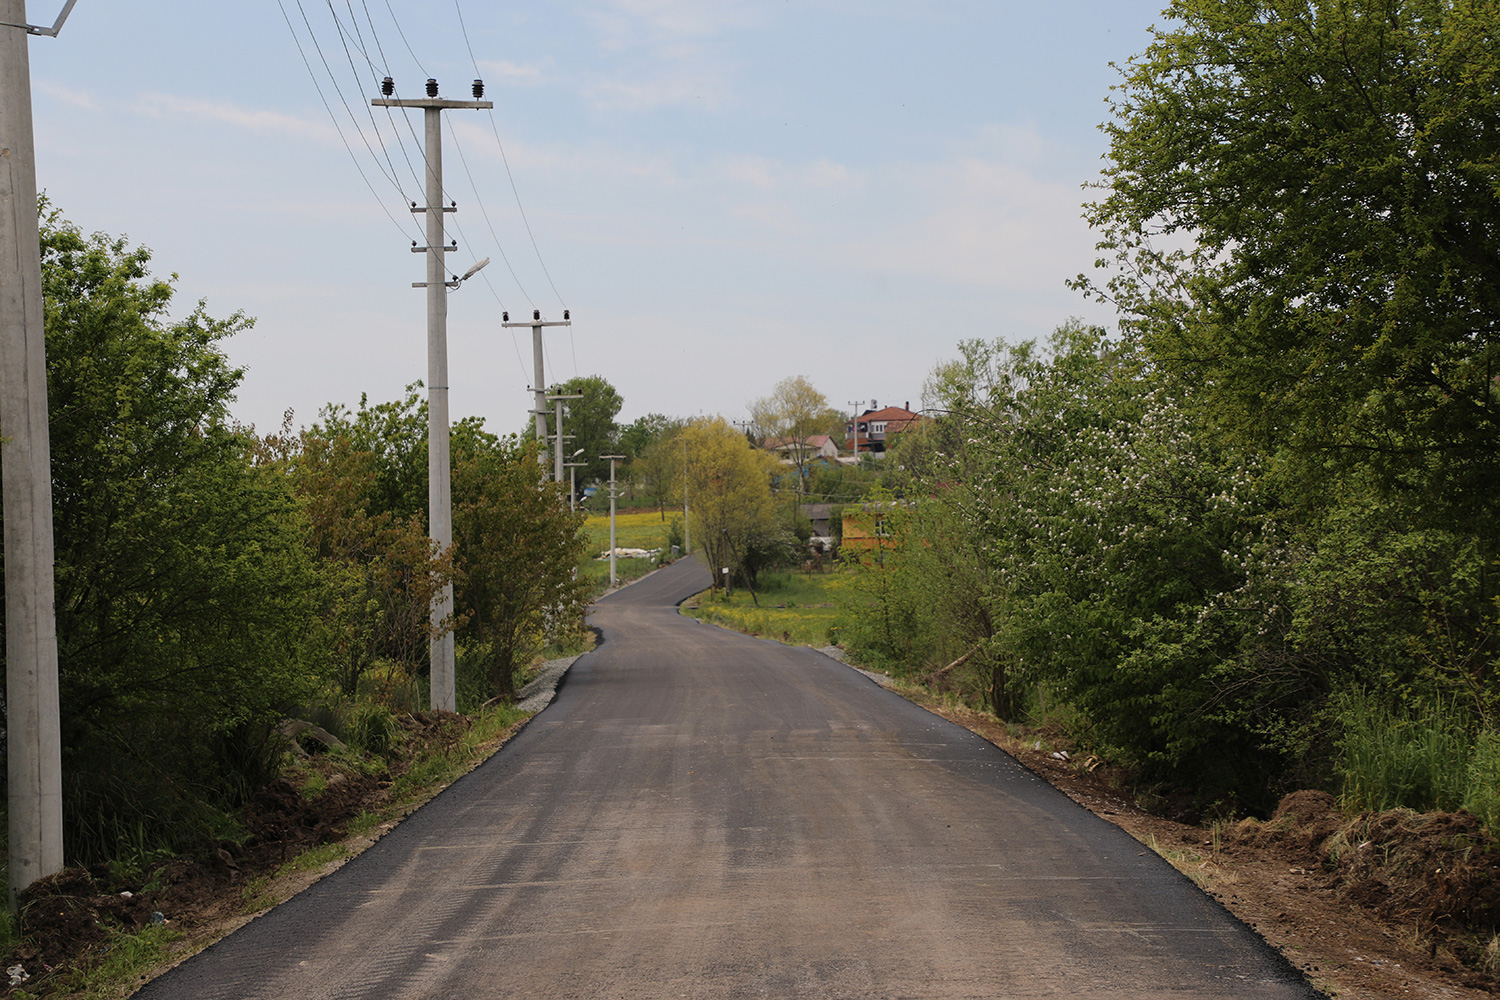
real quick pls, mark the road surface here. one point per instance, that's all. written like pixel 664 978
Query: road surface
pixel 700 814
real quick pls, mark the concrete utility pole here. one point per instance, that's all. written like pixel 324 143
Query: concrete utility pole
pixel 557 455
pixel 539 383
pixel 854 425
pixel 32 729
pixel 612 460
pixel 687 522
pixel 572 480
pixel 439 483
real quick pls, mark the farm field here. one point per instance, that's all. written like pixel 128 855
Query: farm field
pixel 635 530
pixel 793 607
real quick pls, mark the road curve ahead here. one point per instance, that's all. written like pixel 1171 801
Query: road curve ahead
pixel 704 815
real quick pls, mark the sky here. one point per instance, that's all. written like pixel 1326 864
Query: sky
pixel 723 193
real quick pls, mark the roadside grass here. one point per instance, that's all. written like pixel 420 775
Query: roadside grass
pixel 129 955
pixel 792 607
pixel 444 765
pixel 1205 872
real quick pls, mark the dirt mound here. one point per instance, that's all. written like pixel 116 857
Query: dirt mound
pixel 1301 825
pixel 1439 872
pixel 1307 807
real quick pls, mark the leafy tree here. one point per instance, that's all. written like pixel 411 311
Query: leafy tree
pixel 656 466
pixel 362 480
pixel 1328 171
pixel 590 422
pixel 518 548
pixel 792 413
pixel 640 434
pixel 729 485
pixel 183 588
pixel 1073 529
pixel 394 436
pixel 1332 170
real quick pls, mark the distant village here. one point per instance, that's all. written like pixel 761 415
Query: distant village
pixel 864 436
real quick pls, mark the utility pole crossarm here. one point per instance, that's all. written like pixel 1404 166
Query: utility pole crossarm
pixel 556 399
pixel 437 103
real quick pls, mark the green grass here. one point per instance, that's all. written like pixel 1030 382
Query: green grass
pixel 363 823
pixel 1408 759
pixel 1424 759
pixel 794 607
pixel 129 955
pixel 429 775
pixel 315 857
pixel 635 530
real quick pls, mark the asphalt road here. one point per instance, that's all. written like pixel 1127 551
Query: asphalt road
pixel 704 815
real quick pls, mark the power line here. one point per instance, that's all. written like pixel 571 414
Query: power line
pixel 352 39
pixel 522 209
pixel 517 347
pixel 368 110
pixel 383 70
pixel 403 36
pixel 506 160
pixel 340 91
pixel 464 28
pixel 485 212
pixel 334 118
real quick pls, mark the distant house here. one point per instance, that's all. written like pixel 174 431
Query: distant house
pixel 875 428
pixel 820 516
pixel 863 530
pixel 800 451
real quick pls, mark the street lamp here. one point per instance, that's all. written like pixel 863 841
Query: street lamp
pixel 572 483
pixel 479 265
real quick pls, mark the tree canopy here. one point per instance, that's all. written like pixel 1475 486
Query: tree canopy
pixel 590 423
pixel 1303 207
pixel 790 414
pixel 184 591
pixel 729 494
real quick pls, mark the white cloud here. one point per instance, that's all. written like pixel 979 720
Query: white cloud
pixel 169 106
pixel 511 72
pixel 779 216
pixel 627 23
pixel 767 174
pixel 666 52
pixel 988 224
pixel 67 95
pixel 684 88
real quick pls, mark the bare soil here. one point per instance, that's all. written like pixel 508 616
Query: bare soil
pixel 1370 907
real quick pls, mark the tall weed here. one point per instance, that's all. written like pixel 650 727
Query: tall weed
pixel 1403 759
pixel 1483 798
